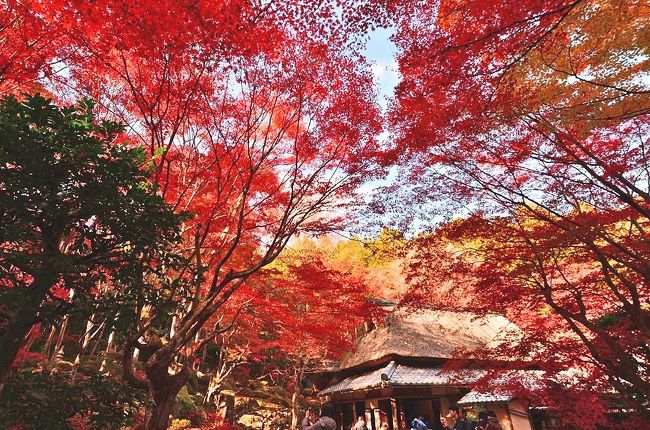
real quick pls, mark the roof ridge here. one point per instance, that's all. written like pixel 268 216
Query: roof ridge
pixel 389 371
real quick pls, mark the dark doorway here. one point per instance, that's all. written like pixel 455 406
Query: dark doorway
pixel 426 408
pixel 386 413
pixel 347 416
pixel 360 409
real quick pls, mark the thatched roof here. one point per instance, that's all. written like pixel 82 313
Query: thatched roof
pixel 429 334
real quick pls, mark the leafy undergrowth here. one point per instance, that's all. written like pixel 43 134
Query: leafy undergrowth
pixel 215 422
pixel 35 401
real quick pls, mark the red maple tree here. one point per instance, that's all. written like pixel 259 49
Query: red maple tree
pixel 258 117
pixel 28 46
pixel 530 120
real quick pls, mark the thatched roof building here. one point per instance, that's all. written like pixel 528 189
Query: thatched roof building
pixel 423 335
pixel 397 370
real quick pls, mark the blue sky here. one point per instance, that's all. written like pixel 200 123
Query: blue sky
pixel 380 52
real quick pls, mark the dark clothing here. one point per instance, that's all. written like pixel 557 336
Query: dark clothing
pixel 493 424
pixel 482 424
pixel 323 423
pixel 305 423
pixel 460 424
pixel 488 424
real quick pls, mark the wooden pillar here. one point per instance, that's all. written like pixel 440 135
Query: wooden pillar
pixel 376 418
pixel 437 413
pixel 510 421
pixel 395 413
pixel 370 417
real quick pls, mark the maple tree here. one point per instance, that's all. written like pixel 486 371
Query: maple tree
pixel 238 133
pixel 299 316
pixel 316 307
pixel 258 118
pixel 270 172
pixel 377 260
pixel 531 119
pixel 28 46
pixel 291 320
pixel 222 95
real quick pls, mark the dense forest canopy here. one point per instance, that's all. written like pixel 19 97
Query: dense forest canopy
pixel 178 180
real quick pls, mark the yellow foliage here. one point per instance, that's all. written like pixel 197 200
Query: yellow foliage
pixel 592 69
pixel 179 424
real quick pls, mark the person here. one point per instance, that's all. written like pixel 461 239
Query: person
pixel 483 423
pixel 326 420
pixel 310 418
pixel 384 426
pixel 360 424
pixel 419 424
pixel 454 414
pixel 469 423
pixel 493 421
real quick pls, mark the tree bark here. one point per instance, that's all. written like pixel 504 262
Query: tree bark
pixel 48 342
pixel 57 353
pixel 164 388
pixel 109 346
pixel 159 416
pixel 12 340
pixel 128 373
pixel 20 324
pixel 294 401
pixel 31 338
pixel 87 337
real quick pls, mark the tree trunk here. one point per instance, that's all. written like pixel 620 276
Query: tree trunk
pixel 294 401
pixel 164 388
pixel 57 353
pixel 20 324
pixel 159 417
pixel 109 346
pixel 48 342
pixel 98 341
pixel 128 373
pixel 12 340
pixel 28 345
pixel 88 336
